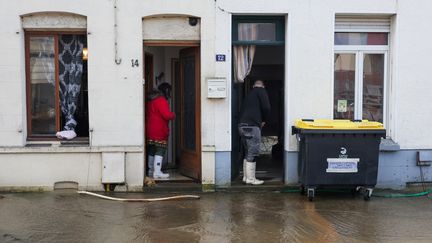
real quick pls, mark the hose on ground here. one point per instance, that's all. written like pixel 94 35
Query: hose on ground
pixel 179 197
pixel 400 195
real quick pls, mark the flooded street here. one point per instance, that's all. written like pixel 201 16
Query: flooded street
pixel 216 217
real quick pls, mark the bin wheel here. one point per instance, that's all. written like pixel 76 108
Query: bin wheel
pixel 310 194
pixel 355 190
pixel 367 194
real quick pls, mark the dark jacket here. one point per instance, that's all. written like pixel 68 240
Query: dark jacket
pixel 256 107
pixel 158 115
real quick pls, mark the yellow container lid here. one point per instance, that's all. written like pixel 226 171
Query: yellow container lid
pixel 338 124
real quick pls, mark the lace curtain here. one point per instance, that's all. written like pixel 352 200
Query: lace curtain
pixel 70 72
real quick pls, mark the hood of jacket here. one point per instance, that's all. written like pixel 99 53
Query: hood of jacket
pixel 154 94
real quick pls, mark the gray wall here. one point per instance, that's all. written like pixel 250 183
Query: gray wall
pixel 395 169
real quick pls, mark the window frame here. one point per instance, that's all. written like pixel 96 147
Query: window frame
pixel 279 21
pixel 54 33
pixel 359 52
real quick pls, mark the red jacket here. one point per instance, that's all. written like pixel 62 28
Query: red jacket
pixel 158 115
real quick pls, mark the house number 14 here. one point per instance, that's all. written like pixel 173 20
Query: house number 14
pixel 134 62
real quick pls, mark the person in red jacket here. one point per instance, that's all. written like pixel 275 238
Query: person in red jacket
pixel 158 115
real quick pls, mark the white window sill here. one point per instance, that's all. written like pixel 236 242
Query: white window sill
pixel 389 145
pixel 49 147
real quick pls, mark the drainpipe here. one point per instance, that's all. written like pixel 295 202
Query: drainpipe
pixel 117 60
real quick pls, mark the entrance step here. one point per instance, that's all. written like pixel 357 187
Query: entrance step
pixel 197 187
pixel 174 187
pixel 240 187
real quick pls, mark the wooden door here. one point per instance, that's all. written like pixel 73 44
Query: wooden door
pixel 148 72
pixel 190 113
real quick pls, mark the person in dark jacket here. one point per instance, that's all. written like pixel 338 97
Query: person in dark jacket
pixel 255 111
pixel 158 115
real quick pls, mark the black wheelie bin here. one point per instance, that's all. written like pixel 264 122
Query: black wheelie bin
pixel 338 154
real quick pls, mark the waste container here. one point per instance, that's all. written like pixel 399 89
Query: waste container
pixel 338 153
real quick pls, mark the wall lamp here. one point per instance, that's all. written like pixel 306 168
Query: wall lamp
pixel 85 53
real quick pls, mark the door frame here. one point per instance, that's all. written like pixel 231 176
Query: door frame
pixel 148 86
pixel 281 26
pixel 175 63
pixel 186 44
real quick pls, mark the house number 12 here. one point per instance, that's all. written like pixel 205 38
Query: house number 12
pixel 134 62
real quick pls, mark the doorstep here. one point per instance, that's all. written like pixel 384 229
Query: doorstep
pixel 174 187
pixel 273 186
pixel 235 187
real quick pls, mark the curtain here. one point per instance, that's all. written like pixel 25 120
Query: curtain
pixel 42 54
pixel 244 54
pixel 43 85
pixel 70 72
pixel 243 58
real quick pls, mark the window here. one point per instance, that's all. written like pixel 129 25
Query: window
pixel 56 73
pixel 360 71
pixel 359 85
pixel 258 30
pixel 361 38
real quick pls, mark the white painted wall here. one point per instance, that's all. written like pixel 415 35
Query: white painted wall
pixel 309 51
pixel 41 168
pixel 170 53
pixel 412 81
pixel 37 169
pixel 116 91
pixel 170 28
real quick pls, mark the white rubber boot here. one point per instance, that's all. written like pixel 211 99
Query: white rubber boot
pixel 244 170
pixel 150 165
pixel 157 173
pixel 250 174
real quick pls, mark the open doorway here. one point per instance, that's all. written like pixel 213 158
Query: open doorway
pixel 262 40
pixel 178 65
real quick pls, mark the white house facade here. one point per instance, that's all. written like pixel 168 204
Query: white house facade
pixel 331 59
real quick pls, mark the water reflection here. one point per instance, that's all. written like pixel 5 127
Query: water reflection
pixel 216 217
